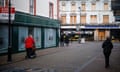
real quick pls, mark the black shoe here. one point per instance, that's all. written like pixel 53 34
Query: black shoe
pixel 26 57
pixel 107 66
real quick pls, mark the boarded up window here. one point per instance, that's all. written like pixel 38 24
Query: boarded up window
pixel 93 19
pixel 105 6
pixel 105 19
pixel 83 19
pixel 63 19
pixel 101 35
pixel 72 19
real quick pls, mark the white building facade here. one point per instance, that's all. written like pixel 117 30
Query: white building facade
pixel 87 16
pixel 46 8
pixel 36 17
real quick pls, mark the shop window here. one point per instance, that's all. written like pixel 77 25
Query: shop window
pixel 31 31
pixel 1 41
pixel 22 39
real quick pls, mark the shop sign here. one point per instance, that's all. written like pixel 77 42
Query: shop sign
pixel 102 27
pixel 4 13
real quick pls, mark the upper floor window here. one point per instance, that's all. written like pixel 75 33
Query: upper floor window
pixel 83 19
pixel 51 10
pixel 72 19
pixel 83 7
pixel 4 2
pixel 63 6
pixel 105 6
pixel 93 19
pixel 105 19
pixel 63 19
pixel 73 7
pixel 93 6
pixel 31 7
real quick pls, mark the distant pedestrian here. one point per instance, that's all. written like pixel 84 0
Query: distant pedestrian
pixel 107 48
pixel 67 39
pixel 62 39
pixel 29 45
pixel 79 40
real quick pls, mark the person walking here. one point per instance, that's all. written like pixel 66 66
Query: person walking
pixel 29 45
pixel 107 48
pixel 67 39
pixel 62 39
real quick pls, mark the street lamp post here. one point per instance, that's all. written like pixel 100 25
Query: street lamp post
pixel 9 34
pixel 79 25
pixel 82 38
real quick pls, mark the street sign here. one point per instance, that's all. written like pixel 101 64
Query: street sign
pixel 4 13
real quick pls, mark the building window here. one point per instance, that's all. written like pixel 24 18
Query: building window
pixel 105 19
pixel 93 6
pixel 93 19
pixel 1 2
pixel 63 6
pixel 83 7
pixel 63 19
pixel 31 6
pixel 82 19
pixel 51 10
pixel 72 19
pixel 105 6
pixel 4 2
pixel 73 7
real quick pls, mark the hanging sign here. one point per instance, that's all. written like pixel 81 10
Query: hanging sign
pixel 4 13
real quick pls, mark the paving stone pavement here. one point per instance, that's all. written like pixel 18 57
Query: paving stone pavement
pixel 95 64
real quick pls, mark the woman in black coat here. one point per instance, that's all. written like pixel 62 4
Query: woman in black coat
pixel 67 39
pixel 107 47
pixel 62 39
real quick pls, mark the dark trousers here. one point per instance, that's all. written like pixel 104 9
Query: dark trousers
pixel 28 52
pixel 62 43
pixel 107 55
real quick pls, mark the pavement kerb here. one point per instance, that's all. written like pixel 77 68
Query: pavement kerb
pixel 17 57
pixel 21 56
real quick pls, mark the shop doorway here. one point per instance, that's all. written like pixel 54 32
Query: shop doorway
pixel 101 35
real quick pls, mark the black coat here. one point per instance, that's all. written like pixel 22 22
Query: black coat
pixel 67 39
pixel 62 38
pixel 107 46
